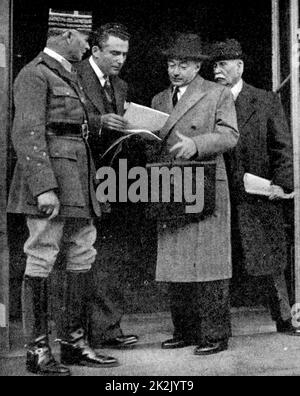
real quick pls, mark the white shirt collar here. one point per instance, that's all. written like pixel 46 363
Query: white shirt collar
pixel 181 91
pixel 98 72
pixel 236 89
pixel 65 63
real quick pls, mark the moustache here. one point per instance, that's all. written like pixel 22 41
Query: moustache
pixel 217 76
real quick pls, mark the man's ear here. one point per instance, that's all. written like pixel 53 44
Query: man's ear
pixel 96 50
pixel 68 35
pixel 199 65
pixel 241 66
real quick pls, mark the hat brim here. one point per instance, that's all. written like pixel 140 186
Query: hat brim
pixel 225 58
pixel 181 55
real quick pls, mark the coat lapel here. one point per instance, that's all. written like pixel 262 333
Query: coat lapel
pixel 245 106
pixel 92 86
pixel 164 102
pixel 54 65
pixel 193 95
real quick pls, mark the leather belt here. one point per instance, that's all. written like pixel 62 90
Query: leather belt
pixel 68 130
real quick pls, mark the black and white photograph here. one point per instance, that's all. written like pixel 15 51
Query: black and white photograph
pixel 149 191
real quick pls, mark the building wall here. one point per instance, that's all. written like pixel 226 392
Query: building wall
pixel 4 127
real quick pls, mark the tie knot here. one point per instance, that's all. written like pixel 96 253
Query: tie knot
pixel 107 81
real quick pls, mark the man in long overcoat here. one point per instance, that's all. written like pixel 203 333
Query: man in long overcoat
pixel 196 258
pixel 265 150
pixel 53 186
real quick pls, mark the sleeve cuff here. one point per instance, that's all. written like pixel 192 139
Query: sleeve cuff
pixel 42 182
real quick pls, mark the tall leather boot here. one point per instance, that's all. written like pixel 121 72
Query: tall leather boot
pixel 75 349
pixel 40 359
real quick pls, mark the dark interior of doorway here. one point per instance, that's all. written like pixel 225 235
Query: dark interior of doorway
pixel 151 23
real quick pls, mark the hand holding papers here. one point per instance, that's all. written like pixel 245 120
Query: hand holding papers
pixel 113 122
pixel 141 121
pixel 144 120
pixel 259 186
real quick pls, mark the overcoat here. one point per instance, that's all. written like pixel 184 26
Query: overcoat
pixel 200 252
pixel 47 97
pixel 265 150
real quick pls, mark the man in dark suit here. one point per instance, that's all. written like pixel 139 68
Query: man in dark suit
pixel 53 187
pixel 107 94
pixel 265 150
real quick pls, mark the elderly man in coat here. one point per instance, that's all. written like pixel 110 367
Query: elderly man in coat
pixel 196 258
pixel 53 186
pixel 265 150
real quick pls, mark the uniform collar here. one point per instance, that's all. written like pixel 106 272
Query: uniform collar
pixel 63 61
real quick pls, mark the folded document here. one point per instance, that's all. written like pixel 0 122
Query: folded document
pixel 144 120
pixel 260 186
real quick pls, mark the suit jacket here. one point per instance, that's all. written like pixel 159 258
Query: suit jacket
pixel 132 151
pixel 265 150
pixel 45 95
pixel 96 107
pixel 200 252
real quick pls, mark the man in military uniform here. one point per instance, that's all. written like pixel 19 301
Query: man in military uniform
pixel 53 187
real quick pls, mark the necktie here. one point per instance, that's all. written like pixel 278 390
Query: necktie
pixel 108 89
pixel 175 96
pixel 110 96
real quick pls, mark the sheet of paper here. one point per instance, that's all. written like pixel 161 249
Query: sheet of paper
pixel 2 56
pixel 144 118
pixel 260 186
pixel 144 133
pixel 2 316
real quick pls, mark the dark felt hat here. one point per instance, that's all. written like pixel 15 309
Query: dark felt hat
pixel 226 50
pixel 186 46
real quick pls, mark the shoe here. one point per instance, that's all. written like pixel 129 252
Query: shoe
pixel 175 343
pixel 41 361
pixel 210 348
pixel 121 342
pixel 286 327
pixel 77 352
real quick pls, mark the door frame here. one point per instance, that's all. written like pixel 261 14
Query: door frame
pixel 295 113
pixel 6 14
